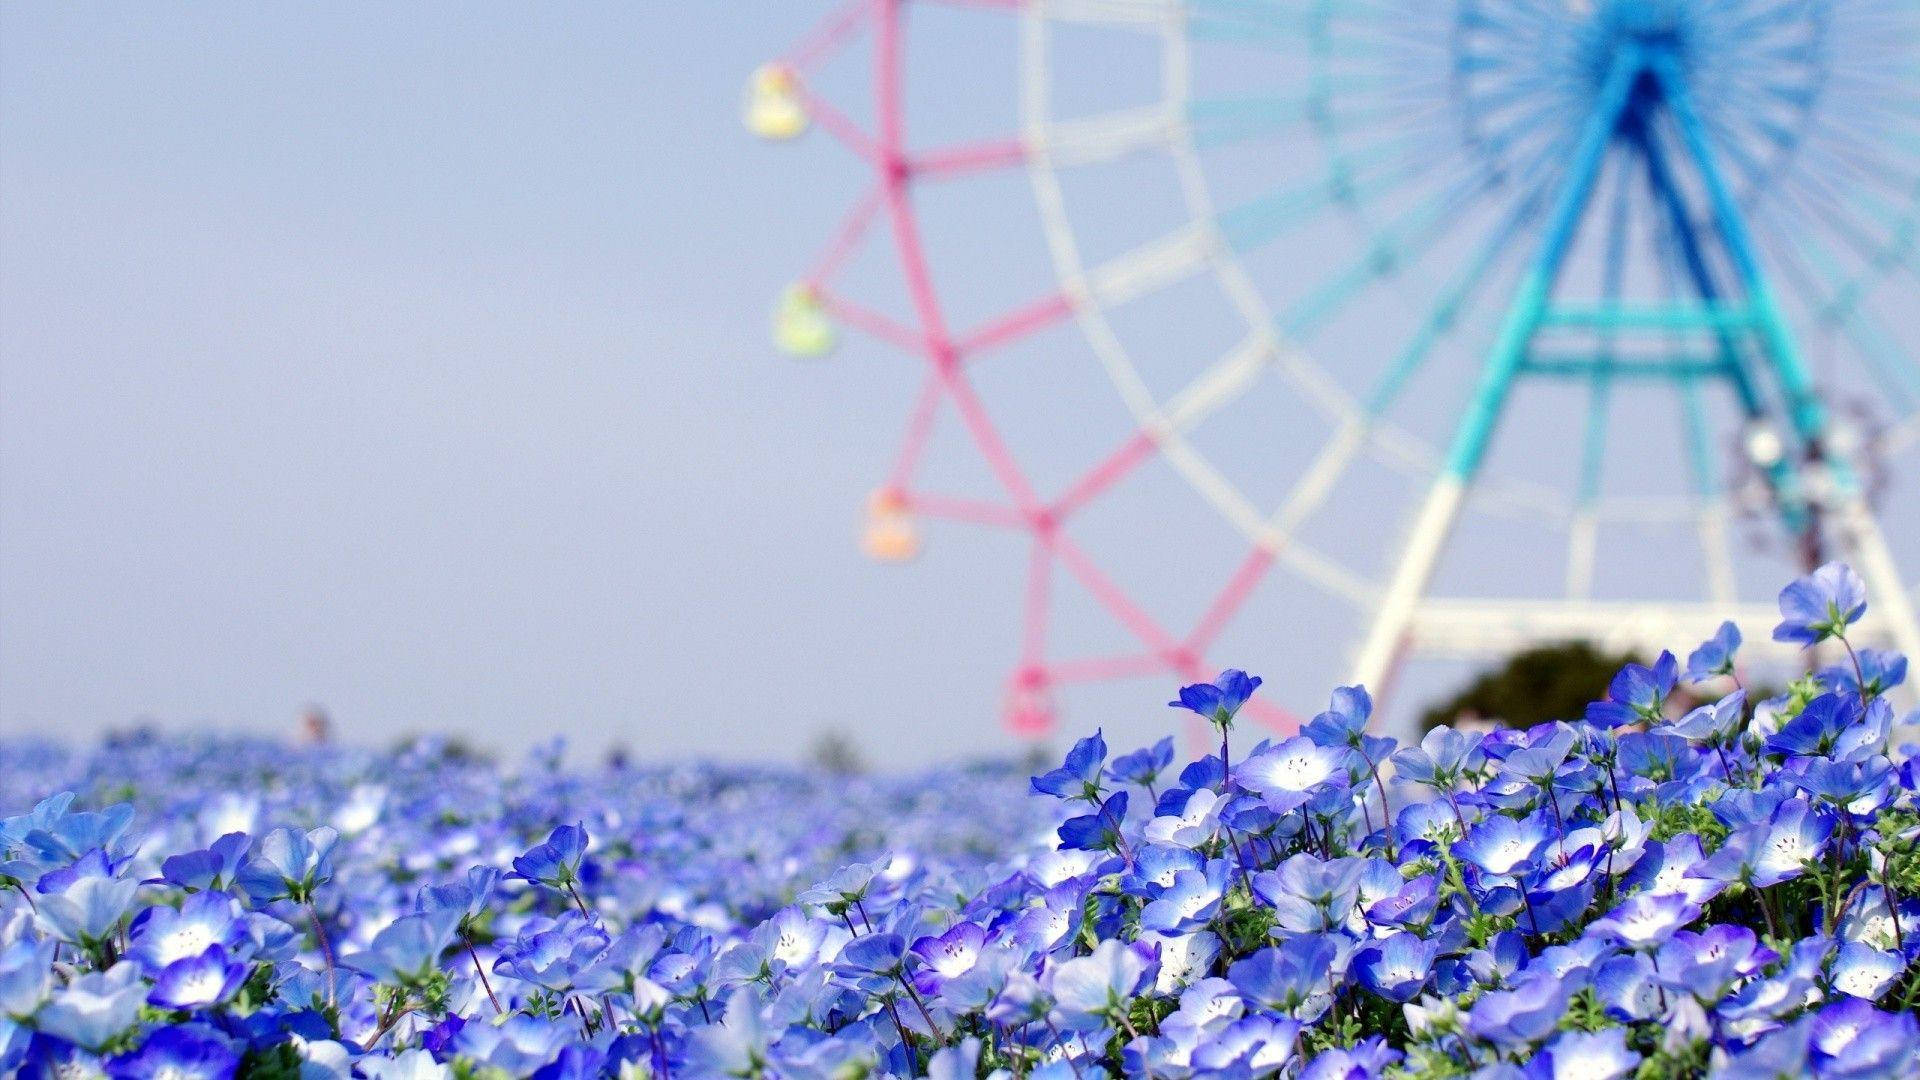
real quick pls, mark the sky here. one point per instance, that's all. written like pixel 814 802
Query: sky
pixel 412 361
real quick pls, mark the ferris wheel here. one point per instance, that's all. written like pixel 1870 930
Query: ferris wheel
pixel 1629 280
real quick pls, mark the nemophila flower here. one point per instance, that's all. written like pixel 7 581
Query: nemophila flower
pixel 1368 1058
pixel 287 864
pixel 1523 1015
pixel 1412 905
pixel 469 897
pixel 1192 901
pixel 1252 1046
pixel 408 1065
pixel 1602 871
pixel 1396 966
pixel 1859 787
pixel 198 982
pixel 1078 777
pixel 1862 971
pixel 1851 1038
pixel 1295 978
pixel 1197 821
pixel 1285 774
pixel 1501 845
pixel 1089 990
pixel 1220 700
pixel 1819 727
pixel 1582 1055
pixel 1638 694
pixel 1646 920
pixel 211 867
pixel 1100 830
pixel 555 862
pixel 518 1047
pixel 406 952
pixel 947 956
pixel 1309 894
pixel 88 910
pixel 1821 605
pixel 1716 723
pixel 1663 869
pixel 179 1053
pixel 163 935
pixel 1143 766
pixel 1879 671
pixel 847 887
pixel 94 1008
pixel 1184 958
pixel 1443 755
pixel 1715 656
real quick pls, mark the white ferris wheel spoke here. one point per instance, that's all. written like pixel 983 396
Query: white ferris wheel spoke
pixel 1105 137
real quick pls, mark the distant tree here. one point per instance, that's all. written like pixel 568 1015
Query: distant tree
pixel 835 754
pixel 1548 682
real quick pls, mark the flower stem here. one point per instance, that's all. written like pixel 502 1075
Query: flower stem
pixel 326 946
pixel 485 984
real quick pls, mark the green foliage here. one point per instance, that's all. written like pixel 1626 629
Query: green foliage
pixel 282 1061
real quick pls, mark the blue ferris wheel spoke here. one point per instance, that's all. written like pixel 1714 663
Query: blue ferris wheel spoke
pixel 1347 178
pixel 1832 300
pixel 1599 391
pixel 1401 243
pixel 1445 314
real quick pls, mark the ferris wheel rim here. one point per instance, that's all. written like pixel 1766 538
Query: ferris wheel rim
pixel 1390 443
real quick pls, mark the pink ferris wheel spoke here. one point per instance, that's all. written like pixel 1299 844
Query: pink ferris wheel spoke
pixel 789 106
pixel 1014 325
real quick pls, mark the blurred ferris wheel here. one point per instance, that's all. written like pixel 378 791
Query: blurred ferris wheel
pixel 1630 279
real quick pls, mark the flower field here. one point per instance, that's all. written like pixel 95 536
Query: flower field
pixel 1648 890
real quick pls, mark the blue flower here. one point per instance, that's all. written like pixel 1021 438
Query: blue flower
pixel 289 864
pixel 1191 902
pixel 948 956
pixel 1143 766
pixel 1646 920
pixel 1079 776
pixel 1220 700
pixel 1088 990
pixel 1852 1039
pixel 198 982
pixel 178 1053
pixel 164 935
pixel 1716 723
pixel 1294 979
pixel 88 911
pixel 1309 894
pixel 1638 694
pixel 556 862
pixel 1523 1015
pixel 1863 971
pixel 209 868
pixel 1821 605
pixel 1501 845
pixel 1396 966
pixel 1880 669
pixel 406 952
pixel 1098 831
pixel 1288 772
pixel 1715 656
pixel 1596 1055
pixel 95 1007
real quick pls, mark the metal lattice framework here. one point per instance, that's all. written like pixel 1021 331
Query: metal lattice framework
pixel 1607 195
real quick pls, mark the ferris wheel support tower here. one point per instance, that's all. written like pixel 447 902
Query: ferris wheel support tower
pixel 1748 346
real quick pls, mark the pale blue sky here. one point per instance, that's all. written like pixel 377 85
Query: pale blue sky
pixel 412 359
